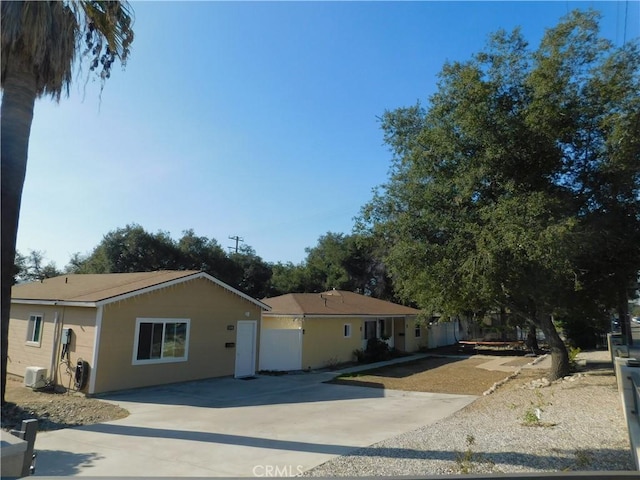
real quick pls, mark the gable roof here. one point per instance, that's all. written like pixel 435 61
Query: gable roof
pixel 92 290
pixel 335 302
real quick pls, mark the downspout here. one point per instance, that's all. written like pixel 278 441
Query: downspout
pixel 96 349
pixel 54 350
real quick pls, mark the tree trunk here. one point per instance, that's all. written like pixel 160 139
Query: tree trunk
pixel 16 115
pixel 532 338
pixel 559 356
pixel 623 315
pixel 503 324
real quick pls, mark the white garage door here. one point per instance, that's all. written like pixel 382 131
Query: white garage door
pixel 280 349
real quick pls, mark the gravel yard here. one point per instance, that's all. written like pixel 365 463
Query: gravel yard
pixel 525 425
pixel 54 410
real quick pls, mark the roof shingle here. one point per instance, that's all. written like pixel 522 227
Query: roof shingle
pixel 334 302
pixel 93 287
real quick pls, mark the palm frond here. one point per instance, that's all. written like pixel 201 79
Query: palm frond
pixel 42 35
pixel 47 35
pixel 112 20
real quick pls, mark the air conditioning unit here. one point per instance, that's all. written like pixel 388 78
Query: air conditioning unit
pixel 35 377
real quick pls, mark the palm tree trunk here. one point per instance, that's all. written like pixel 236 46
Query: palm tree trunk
pixel 16 115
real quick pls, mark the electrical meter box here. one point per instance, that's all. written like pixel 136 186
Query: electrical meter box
pixel 66 336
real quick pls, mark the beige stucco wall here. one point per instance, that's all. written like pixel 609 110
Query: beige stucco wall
pixel 324 343
pixel 210 309
pixel 285 322
pixel 22 354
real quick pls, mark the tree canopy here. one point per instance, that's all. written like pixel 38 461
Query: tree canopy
pixel 133 249
pixel 32 267
pixel 337 261
pixel 519 184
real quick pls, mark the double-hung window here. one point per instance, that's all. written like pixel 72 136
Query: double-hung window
pixel 161 340
pixel 34 329
pixel 347 330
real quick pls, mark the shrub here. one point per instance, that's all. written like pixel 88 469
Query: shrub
pixel 359 355
pixel 377 350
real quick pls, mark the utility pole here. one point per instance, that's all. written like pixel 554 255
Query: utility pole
pixel 238 240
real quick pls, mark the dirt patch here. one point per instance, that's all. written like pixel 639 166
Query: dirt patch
pixel 432 374
pixel 54 410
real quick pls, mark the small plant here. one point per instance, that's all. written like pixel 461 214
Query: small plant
pixel 533 415
pixel 468 459
pixel 332 363
pixel 583 459
pixel 359 355
pixel 465 459
pixel 573 354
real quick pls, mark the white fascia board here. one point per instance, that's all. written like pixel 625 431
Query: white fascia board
pixel 55 303
pixel 178 281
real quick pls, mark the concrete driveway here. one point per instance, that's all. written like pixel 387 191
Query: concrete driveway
pixel 266 426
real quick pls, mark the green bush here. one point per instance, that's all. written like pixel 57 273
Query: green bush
pixel 377 350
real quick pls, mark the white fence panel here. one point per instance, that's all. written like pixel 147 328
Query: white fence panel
pixel 442 334
pixel 281 349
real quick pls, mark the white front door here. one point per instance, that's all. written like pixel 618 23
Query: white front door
pixel 246 348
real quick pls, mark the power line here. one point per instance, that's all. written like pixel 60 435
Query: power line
pixel 626 14
pixel 617 22
pixel 238 240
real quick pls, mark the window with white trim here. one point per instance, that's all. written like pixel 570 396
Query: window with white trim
pixel 161 340
pixel 418 332
pixel 34 329
pixel 347 330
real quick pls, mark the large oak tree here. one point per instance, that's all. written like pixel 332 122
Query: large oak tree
pixel 518 184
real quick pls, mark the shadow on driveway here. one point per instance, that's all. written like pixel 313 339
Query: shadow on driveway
pixel 232 393
pixel 219 438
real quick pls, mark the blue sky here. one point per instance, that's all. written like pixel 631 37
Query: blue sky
pixel 253 119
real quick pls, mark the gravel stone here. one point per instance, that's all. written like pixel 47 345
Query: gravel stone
pixel 581 428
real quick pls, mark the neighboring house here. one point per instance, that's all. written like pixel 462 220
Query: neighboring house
pixel 130 330
pixel 315 330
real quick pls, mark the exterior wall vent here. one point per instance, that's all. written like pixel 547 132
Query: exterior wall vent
pixel 35 377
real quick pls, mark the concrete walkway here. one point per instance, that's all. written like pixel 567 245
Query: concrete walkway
pixel 268 426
